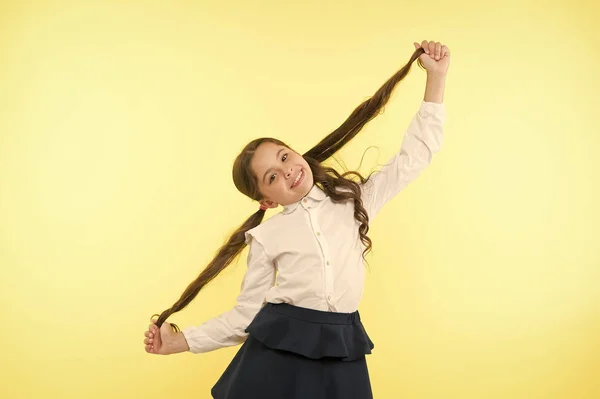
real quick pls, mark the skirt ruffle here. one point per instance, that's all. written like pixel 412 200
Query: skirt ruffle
pixel 339 335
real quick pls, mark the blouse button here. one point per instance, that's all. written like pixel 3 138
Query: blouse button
pixel 328 262
pixel 318 233
pixel 328 296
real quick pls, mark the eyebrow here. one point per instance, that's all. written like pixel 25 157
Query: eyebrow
pixel 276 157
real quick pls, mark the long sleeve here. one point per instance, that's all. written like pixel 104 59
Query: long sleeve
pixel 228 328
pixel 422 140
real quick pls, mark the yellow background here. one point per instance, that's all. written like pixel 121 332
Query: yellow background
pixel 119 123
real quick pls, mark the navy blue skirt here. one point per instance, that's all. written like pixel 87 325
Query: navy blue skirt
pixel 298 353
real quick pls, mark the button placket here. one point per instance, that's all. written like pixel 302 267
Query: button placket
pixel 328 273
pixel 328 269
pixel 328 280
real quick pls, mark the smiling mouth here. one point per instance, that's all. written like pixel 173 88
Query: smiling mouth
pixel 299 178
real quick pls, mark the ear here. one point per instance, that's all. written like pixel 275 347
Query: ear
pixel 269 203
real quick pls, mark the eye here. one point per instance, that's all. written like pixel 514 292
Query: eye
pixel 283 158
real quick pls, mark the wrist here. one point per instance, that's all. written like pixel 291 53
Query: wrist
pixel 436 75
pixel 176 344
pixel 434 88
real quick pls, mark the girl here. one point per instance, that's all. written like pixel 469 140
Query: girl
pixel 297 312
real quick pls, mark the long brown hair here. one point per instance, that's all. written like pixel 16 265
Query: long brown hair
pixel 328 178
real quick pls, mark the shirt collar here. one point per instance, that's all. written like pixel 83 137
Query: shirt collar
pixel 315 194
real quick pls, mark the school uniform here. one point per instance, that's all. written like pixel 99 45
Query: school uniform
pixel 297 311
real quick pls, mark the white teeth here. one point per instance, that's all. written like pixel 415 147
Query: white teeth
pixel 297 178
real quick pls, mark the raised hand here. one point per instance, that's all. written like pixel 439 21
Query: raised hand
pixel 436 58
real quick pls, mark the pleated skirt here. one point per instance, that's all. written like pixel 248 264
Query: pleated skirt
pixel 299 353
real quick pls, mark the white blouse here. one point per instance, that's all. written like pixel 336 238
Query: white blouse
pixel 310 254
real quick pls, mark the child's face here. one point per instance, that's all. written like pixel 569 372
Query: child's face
pixel 276 168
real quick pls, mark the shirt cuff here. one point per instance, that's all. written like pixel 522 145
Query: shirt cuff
pixel 429 109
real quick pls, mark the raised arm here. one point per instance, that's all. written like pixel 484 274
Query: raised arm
pixel 422 140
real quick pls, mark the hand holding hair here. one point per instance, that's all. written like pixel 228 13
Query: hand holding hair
pixel 436 57
pixel 165 340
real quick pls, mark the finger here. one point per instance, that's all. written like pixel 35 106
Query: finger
pixel 438 49
pixel 445 50
pixel 425 46
pixel 432 49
